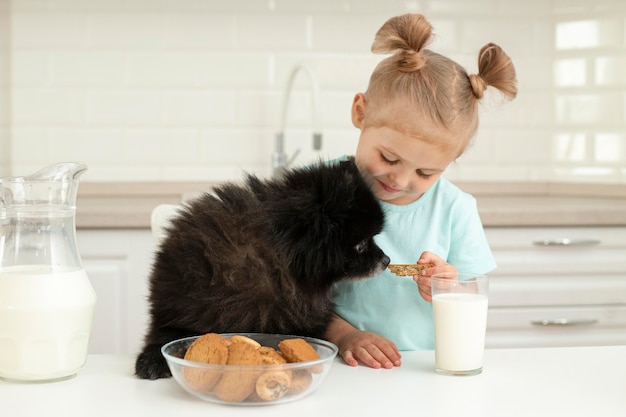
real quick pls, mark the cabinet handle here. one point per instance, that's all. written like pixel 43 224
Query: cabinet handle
pixel 563 322
pixel 567 242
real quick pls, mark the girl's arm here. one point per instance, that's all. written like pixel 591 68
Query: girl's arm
pixel 359 346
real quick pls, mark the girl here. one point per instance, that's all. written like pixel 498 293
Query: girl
pixel 418 115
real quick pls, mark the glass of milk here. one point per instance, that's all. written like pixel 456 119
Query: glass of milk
pixel 460 315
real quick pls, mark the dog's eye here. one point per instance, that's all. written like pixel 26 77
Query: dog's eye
pixel 361 247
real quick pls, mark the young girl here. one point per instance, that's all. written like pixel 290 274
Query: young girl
pixel 418 115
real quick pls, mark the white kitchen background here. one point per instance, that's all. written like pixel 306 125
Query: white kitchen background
pixel 192 90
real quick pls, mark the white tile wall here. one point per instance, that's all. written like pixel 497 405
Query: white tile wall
pixel 192 89
pixel 5 143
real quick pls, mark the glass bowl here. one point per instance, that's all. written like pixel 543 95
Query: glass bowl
pixel 268 384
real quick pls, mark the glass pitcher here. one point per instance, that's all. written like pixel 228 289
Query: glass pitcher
pixel 46 299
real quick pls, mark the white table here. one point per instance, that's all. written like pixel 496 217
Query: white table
pixel 585 381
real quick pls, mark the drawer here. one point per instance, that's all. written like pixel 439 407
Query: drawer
pixel 562 326
pixel 556 289
pixel 566 251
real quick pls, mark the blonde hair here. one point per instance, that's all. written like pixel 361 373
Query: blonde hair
pixel 435 87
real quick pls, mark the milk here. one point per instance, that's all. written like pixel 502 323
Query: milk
pixel 460 324
pixel 45 321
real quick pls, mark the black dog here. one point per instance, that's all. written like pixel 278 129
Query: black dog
pixel 262 257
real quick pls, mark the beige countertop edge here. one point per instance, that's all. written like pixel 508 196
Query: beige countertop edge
pixel 128 205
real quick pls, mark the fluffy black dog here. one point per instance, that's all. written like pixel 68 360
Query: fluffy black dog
pixel 262 257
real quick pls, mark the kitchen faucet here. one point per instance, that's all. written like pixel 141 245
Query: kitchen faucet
pixel 280 161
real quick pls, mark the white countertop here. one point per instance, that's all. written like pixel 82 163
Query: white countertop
pixel 581 381
pixel 128 205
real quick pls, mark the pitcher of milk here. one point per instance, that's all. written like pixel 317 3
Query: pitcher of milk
pixel 46 299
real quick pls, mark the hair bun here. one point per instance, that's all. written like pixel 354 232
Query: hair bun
pixel 405 37
pixel 409 61
pixel 478 85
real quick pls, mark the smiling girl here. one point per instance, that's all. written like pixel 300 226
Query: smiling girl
pixel 418 115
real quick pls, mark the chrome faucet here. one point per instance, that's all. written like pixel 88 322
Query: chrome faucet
pixel 280 161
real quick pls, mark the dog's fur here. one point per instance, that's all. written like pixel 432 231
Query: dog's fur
pixel 262 257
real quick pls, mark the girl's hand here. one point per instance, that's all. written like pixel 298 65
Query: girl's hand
pixel 369 349
pixel 359 346
pixel 423 280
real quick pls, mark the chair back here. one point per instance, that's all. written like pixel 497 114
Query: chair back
pixel 160 219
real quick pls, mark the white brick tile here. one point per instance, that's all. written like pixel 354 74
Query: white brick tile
pixel 125 172
pixel 201 108
pixel 318 6
pixel 30 68
pixel 5 152
pixel 36 29
pixel 609 147
pixel 345 33
pixel 522 147
pixel 84 4
pixel 5 65
pixel 127 30
pixel 598 109
pixel 49 106
pixel 511 34
pixel 163 69
pixel 235 70
pixel 570 72
pixel 463 8
pixel 5 108
pixel 89 145
pixel 161 146
pixel 258 109
pixel 532 74
pixel 124 107
pixel 30 148
pixel 589 33
pixel 219 146
pixel 569 147
pixel 87 68
pixel 271 32
pixel 200 30
pixel 25 4
pixel 610 70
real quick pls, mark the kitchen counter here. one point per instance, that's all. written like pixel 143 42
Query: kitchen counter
pixel 581 381
pixel 128 205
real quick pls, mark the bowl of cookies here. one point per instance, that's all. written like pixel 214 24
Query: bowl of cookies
pixel 249 368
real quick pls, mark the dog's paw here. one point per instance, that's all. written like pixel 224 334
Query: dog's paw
pixel 151 366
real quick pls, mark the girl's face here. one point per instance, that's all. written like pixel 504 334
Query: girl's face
pixel 401 166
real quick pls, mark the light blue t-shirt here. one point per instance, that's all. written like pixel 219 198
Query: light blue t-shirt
pixel 444 221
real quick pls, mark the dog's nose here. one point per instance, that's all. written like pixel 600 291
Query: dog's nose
pixel 385 260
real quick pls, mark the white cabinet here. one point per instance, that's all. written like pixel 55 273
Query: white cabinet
pixel 118 265
pixel 554 295
pixel 557 286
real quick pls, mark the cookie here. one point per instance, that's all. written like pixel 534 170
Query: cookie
pixel 301 380
pixel 271 356
pixel 237 384
pixel 405 270
pixel 239 338
pixel 272 385
pixel 209 348
pixel 299 350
